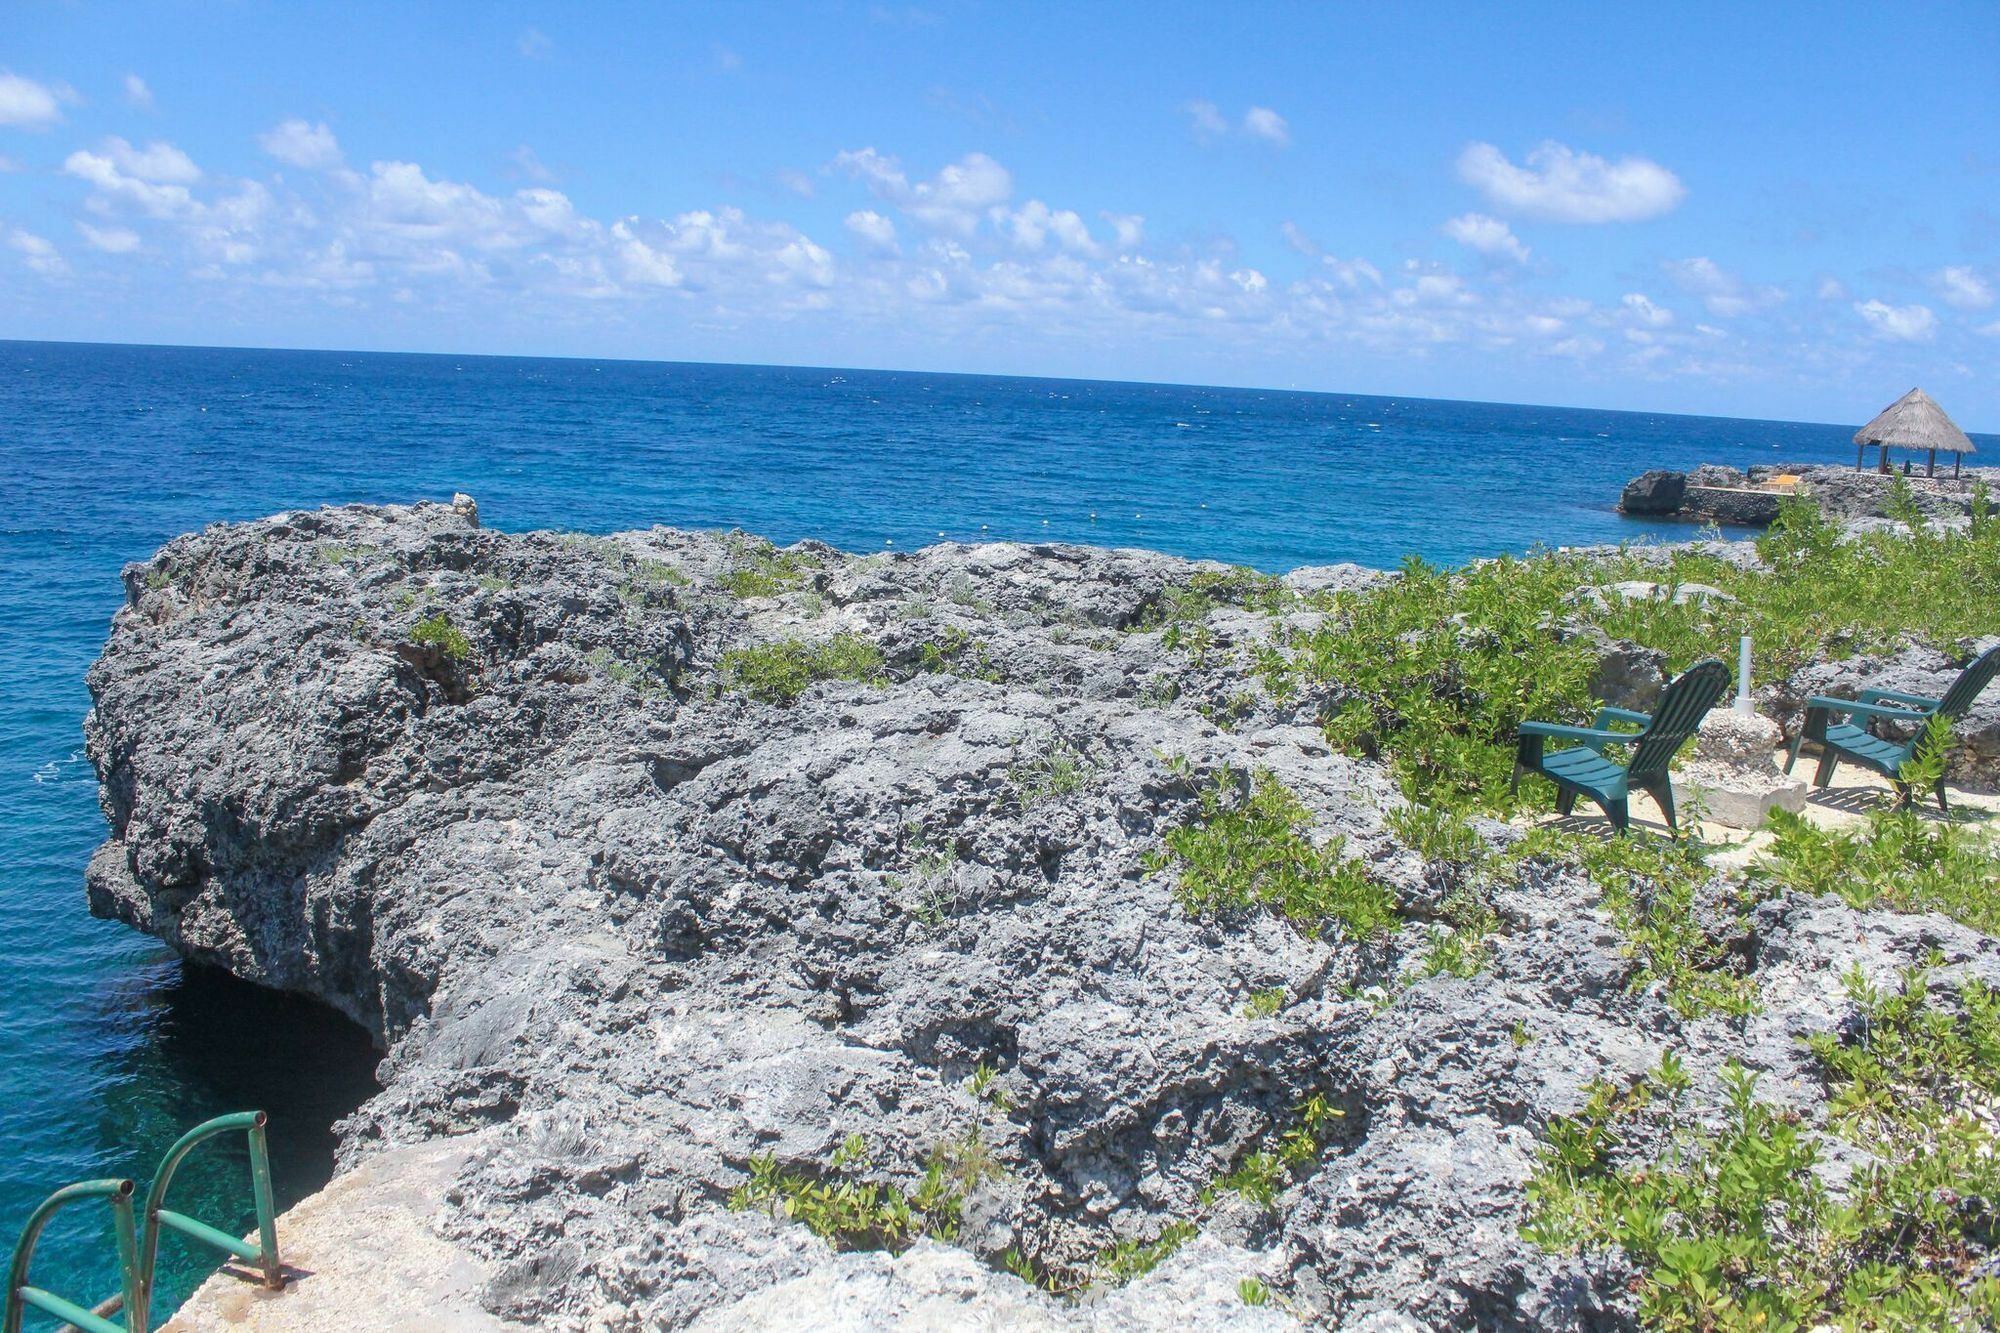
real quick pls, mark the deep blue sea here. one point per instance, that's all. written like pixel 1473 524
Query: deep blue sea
pixel 108 1048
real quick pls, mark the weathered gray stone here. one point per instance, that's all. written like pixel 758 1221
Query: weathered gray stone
pixel 619 928
pixel 1732 778
pixel 1656 492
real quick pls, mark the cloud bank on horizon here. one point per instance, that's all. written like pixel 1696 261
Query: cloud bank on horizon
pixel 1555 248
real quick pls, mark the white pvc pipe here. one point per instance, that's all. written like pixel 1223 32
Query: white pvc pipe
pixel 1743 702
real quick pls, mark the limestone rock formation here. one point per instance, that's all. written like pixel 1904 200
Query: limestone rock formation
pixel 627 908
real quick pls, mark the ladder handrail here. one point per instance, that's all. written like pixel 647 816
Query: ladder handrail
pixel 139 1239
pixel 251 1122
pixel 116 1192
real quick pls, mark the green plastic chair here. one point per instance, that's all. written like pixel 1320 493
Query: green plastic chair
pixel 1585 770
pixel 1840 739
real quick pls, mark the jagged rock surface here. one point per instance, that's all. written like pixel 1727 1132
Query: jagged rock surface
pixel 634 927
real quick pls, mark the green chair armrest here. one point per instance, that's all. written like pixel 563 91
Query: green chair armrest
pixel 1831 705
pixel 1594 737
pixel 1609 714
pixel 1921 702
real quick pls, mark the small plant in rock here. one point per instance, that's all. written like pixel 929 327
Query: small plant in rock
pixel 956 653
pixel 843 1206
pixel 780 672
pixel 985 1085
pixel 1121 1262
pixel 1256 850
pixel 448 639
pixel 759 569
pixel 1055 768
pixel 1253 1292
pixel 1266 1172
pixel 1264 1003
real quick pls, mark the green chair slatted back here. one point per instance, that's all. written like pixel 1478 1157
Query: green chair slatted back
pixel 1682 706
pixel 1977 676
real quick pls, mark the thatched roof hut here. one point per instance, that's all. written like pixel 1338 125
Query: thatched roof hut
pixel 1914 421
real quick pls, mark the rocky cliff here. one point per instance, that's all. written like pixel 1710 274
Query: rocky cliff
pixel 666 864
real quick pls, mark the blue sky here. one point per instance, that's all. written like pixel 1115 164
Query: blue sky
pixel 1728 209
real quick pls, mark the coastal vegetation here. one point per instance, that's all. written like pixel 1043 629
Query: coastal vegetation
pixel 1434 672
pixel 1735 1226
pixel 780 672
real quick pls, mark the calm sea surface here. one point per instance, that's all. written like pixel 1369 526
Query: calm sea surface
pixel 108 1048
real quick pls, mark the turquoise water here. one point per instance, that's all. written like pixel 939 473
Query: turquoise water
pixel 108 1048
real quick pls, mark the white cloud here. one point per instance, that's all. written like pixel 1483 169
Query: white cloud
pixel 38 253
pixel 1353 274
pixel 1034 225
pixel 1488 235
pixel 111 240
pixel 1990 330
pixel 797 182
pixel 108 172
pixel 1832 289
pixel 311 147
pixel 1961 286
pixel 1260 122
pixel 1722 293
pixel 1128 228
pixel 878 232
pixel 1898 323
pixel 26 104
pixel 1640 307
pixel 1563 185
pixel 137 94
pixel 533 44
pixel 1206 121
pixel 952 201
pixel 158 162
pixel 526 164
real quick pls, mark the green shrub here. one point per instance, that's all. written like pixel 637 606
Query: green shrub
pixel 1256 851
pixel 843 1206
pixel 1733 1228
pixel 1119 1263
pixel 1435 672
pixel 1898 860
pixel 761 570
pixel 438 632
pixel 780 672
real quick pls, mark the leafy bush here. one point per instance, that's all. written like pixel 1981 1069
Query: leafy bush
pixel 1898 860
pixel 780 672
pixel 1257 851
pixel 1435 672
pixel 761 570
pixel 438 632
pixel 845 1207
pixel 1733 1227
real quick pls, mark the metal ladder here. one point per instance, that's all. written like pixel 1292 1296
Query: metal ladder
pixel 139 1241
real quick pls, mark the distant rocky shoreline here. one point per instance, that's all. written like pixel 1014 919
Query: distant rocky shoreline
pixel 1732 497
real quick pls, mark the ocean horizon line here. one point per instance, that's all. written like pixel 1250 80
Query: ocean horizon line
pixel 1196 385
